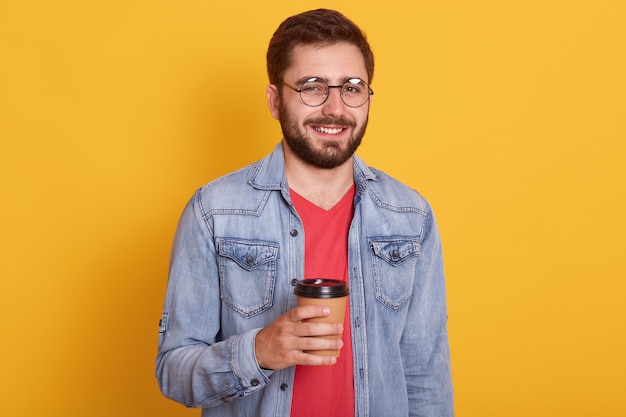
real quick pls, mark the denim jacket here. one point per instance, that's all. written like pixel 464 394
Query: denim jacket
pixel 238 251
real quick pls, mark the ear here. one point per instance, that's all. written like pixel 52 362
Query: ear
pixel 273 100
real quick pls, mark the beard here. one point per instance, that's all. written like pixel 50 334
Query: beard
pixel 329 154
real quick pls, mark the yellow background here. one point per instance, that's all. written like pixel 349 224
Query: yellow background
pixel 507 115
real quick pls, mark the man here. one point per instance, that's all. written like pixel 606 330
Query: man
pixel 232 340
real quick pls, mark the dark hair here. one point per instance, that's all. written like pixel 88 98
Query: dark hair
pixel 322 27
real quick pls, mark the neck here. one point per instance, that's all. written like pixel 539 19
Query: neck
pixel 322 187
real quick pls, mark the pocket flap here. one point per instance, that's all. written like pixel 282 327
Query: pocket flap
pixel 394 251
pixel 249 254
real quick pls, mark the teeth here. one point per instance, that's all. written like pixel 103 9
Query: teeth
pixel 330 131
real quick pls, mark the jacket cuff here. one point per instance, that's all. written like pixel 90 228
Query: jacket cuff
pixel 244 363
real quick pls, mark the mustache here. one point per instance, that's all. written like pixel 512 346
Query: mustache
pixel 335 121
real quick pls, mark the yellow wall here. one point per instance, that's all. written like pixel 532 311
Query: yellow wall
pixel 507 115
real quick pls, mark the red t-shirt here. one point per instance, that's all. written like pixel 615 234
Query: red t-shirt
pixel 326 390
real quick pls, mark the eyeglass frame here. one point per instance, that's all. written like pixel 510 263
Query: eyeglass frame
pixel 370 92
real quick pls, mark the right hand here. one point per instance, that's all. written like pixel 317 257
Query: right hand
pixel 281 344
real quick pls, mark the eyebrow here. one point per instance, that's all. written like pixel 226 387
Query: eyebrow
pixel 302 80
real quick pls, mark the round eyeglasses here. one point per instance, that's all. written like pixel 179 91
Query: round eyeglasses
pixel 315 91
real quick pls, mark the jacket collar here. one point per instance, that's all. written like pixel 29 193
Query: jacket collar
pixel 269 173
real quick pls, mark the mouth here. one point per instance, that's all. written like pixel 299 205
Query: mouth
pixel 329 130
pixel 330 127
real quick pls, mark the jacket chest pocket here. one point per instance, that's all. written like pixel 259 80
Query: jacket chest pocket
pixel 394 262
pixel 247 271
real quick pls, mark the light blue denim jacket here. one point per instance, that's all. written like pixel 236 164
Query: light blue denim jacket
pixel 238 250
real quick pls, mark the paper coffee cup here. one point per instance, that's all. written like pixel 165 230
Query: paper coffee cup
pixel 324 292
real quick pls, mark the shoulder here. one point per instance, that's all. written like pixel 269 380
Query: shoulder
pixel 232 181
pixel 231 193
pixel 390 193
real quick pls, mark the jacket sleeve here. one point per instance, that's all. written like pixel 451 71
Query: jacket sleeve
pixel 194 366
pixel 425 341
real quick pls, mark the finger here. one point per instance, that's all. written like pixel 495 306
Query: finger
pixel 307 312
pixel 318 329
pixel 318 343
pixel 309 359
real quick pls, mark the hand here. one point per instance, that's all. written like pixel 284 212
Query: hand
pixel 281 344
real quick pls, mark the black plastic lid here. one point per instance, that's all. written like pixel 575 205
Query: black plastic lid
pixel 321 288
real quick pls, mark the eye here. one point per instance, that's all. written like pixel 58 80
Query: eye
pixel 350 89
pixel 314 86
pixel 354 86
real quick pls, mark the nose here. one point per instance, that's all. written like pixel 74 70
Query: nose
pixel 333 105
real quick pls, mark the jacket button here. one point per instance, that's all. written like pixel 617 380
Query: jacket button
pixel 294 233
pixel 294 282
pixel 255 382
pixel 395 254
pixel 283 387
pixel 250 260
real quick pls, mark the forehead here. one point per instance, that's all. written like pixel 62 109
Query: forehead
pixel 334 62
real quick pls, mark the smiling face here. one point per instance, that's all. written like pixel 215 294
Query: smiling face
pixel 328 135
